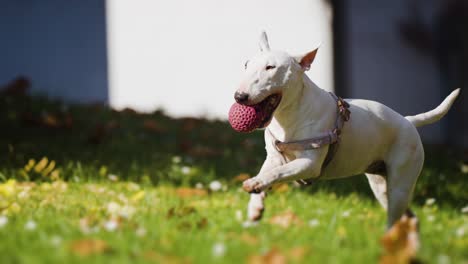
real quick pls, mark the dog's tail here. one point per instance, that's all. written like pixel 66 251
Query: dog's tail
pixel 435 114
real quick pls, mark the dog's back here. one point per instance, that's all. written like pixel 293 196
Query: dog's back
pixel 369 135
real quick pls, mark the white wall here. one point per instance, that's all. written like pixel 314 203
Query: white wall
pixel 188 56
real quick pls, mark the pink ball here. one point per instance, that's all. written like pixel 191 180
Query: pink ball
pixel 244 118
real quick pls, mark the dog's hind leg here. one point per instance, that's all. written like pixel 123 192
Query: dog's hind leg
pixel 403 172
pixel 256 206
pixel 378 184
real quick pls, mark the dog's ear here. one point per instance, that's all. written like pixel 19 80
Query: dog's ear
pixel 264 46
pixel 306 60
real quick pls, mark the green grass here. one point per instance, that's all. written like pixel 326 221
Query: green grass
pixel 116 177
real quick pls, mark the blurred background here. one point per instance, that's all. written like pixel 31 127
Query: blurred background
pixel 187 57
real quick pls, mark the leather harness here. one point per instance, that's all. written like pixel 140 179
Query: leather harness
pixel 331 138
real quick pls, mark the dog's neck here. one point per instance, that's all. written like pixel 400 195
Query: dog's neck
pixel 305 109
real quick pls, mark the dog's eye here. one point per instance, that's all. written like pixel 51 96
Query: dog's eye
pixel 245 65
pixel 270 67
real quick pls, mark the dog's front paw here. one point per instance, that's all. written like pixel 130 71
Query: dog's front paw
pixel 254 185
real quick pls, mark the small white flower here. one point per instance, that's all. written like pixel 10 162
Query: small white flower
pixel 249 224
pixel 176 159
pixel 113 177
pixel 113 208
pixel 314 223
pixel 346 214
pixel 30 225
pixel 23 194
pixel 55 240
pixel 199 185
pixel 122 198
pixel 239 215
pixel 133 186
pixel 464 168
pixel 460 231
pixel 215 186
pixel 141 232
pixel 443 259
pixel 185 170
pixel 464 210
pixel 219 249
pixel 127 211
pixel 430 201
pixel 111 225
pixel 3 221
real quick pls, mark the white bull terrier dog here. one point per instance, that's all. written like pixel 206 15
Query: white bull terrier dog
pixel 305 123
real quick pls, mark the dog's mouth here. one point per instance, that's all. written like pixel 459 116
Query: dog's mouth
pixel 267 107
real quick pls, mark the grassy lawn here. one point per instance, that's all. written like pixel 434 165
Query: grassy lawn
pixel 88 184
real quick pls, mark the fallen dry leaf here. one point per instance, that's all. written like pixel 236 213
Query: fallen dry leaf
pixel 185 192
pixel 86 224
pixel 249 239
pixel 156 257
pixel 51 121
pixel 202 223
pixel 180 212
pixel 48 120
pixel 401 242
pixel 241 177
pixel 297 253
pixel 184 226
pixel 86 247
pixel 285 219
pixel 271 257
pixel 152 126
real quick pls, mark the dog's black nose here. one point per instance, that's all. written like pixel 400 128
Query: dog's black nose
pixel 241 97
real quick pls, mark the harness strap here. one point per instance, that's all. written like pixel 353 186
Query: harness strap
pixel 330 137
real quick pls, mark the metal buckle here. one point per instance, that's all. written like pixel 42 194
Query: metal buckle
pixel 343 109
pixel 276 146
